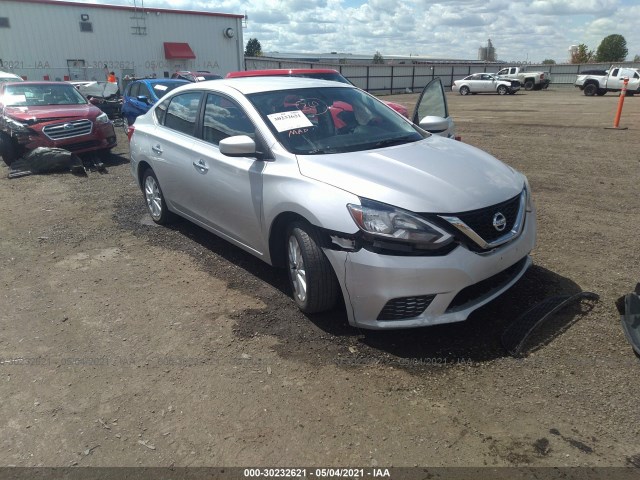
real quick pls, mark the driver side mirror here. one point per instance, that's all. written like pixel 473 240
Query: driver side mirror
pixel 238 146
pixel 143 99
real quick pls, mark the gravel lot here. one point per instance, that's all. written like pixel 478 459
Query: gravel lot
pixel 124 343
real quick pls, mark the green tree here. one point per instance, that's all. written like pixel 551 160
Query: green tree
pixel 378 58
pixel 548 61
pixel 612 49
pixel 582 54
pixel 253 48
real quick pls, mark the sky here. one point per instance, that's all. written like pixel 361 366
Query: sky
pixel 526 31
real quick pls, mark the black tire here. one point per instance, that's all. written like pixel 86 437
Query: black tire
pixel 464 90
pixel 528 84
pixel 154 199
pixel 8 149
pixel 591 89
pixel 313 282
pixel 502 90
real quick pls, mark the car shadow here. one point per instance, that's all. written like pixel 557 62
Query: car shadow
pixel 327 337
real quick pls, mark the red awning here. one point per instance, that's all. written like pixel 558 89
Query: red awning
pixel 177 50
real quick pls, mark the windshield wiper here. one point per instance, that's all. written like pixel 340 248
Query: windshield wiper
pixel 395 141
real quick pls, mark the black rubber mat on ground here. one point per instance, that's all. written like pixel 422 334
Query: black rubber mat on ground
pixel 515 336
pixel 630 318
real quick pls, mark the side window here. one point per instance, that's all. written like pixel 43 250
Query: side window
pixel 224 118
pixel 145 91
pixel 182 112
pixel 161 111
pixel 135 89
pixel 615 72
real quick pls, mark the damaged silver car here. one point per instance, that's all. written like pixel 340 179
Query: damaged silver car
pixel 356 202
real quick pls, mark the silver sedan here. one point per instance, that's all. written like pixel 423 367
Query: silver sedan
pixel 485 83
pixel 354 200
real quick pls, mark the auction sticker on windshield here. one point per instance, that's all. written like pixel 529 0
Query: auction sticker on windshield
pixel 285 121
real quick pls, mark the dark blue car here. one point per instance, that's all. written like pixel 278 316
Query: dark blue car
pixel 140 95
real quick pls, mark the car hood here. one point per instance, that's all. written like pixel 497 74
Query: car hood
pixel 48 113
pixel 435 175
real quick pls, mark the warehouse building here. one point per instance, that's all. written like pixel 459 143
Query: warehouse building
pixel 61 40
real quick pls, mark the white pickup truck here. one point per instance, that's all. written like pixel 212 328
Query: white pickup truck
pixel 601 82
pixel 530 80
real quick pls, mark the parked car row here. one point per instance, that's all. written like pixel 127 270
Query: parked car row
pixel 361 205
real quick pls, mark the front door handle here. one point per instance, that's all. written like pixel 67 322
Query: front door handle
pixel 157 149
pixel 200 165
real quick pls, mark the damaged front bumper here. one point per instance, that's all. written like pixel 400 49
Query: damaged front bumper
pixel 393 292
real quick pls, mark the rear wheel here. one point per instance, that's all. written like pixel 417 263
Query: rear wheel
pixel 528 84
pixel 502 90
pixel 590 90
pixel 156 205
pixel 311 276
pixel 464 90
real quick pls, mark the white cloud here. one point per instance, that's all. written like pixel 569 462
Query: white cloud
pixel 519 29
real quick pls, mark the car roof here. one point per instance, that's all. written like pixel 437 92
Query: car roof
pixel 279 71
pixel 9 75
pixel 249 85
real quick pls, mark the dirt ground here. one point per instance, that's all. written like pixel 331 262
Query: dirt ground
pixel 123 343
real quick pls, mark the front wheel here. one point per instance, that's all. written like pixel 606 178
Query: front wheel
pixel 464 90
pixel 8 149
pixel 312 280
pixel 502 90
pixel 156 205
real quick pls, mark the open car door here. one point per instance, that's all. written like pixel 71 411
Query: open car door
pixel 432 113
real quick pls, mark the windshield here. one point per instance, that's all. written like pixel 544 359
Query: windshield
pixel 42 94
pixel 323 120
pixel 162 88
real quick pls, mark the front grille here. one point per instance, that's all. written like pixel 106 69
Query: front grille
pixel 405 307
pixel 477 291
pixel 75 128
pixel 481 220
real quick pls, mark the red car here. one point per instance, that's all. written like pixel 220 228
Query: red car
pixel 320 73
pixel 50 114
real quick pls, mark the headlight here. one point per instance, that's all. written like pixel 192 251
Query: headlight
pixel 530 205
pixel 102 118
pixel 391 224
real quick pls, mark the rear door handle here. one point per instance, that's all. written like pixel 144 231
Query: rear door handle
pixel 200 165
pixel 157 149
